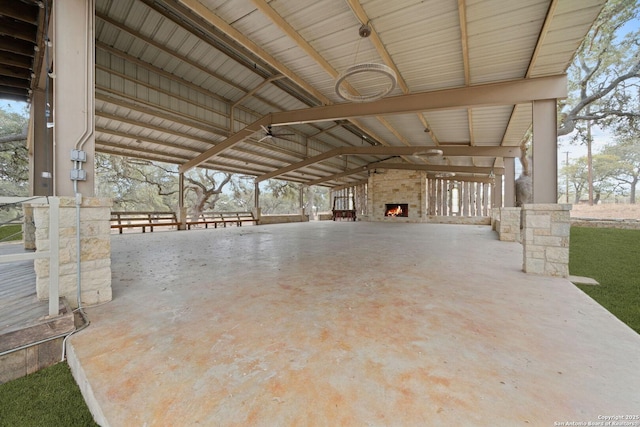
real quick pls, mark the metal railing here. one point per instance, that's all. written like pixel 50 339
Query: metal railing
pixel 54 246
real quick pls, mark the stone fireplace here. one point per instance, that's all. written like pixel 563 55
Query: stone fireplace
pixel 397 210
pixel 390 189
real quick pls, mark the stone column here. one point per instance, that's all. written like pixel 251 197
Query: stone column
pixel 496 192
pixel 508 224
pixel 546 239
pixel 182 218
pixel 28 227
pixel 95 250
pixel 257 212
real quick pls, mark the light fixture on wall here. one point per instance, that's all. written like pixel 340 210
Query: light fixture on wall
pixel 365 67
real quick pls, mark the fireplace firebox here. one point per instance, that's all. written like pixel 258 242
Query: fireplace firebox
pixel 397 210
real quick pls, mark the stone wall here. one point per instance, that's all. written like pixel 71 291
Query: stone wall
pixel 507 224
pixel 28 227
pixel 95 255
pixel 546 239
pixel 460 220
pixel 397 186
pixel 282 219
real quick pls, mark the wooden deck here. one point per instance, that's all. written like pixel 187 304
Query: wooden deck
pixel 19 305
pixel 23 318
pixel 29 339
pixel 18 301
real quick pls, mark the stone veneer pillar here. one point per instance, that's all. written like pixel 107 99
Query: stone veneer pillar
pixel 546 239
pixel 28 227
pixel 95 246
pixel 182 218
pixel 508 224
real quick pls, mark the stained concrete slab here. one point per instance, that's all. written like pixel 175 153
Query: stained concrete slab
pixel 343 323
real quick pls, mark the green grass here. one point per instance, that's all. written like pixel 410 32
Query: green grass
pixel 8 230
pixel 49 397
pixel 612 257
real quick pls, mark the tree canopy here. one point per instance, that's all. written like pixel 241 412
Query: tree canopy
pixel 14 161
pixel 603 78
pixel 142 185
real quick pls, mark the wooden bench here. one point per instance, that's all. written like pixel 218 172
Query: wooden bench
pixel 349 214
pixel 223 218
pixel 122 220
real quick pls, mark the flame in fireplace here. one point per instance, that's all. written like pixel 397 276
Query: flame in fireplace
pixel 394 212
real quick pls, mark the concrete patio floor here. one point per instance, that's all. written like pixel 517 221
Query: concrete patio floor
pixel 347 324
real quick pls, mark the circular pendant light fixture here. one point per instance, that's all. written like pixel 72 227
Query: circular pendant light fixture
pixel 366 67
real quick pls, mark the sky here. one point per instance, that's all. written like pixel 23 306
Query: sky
pixel 13 106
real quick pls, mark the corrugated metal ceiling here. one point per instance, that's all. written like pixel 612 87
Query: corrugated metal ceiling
pixel 198 66
pixel 175 78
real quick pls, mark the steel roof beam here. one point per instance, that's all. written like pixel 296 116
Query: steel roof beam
pixel 396 151
pixel 505 93
pixel 437 168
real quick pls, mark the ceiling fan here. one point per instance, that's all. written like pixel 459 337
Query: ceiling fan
pixel 268 133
